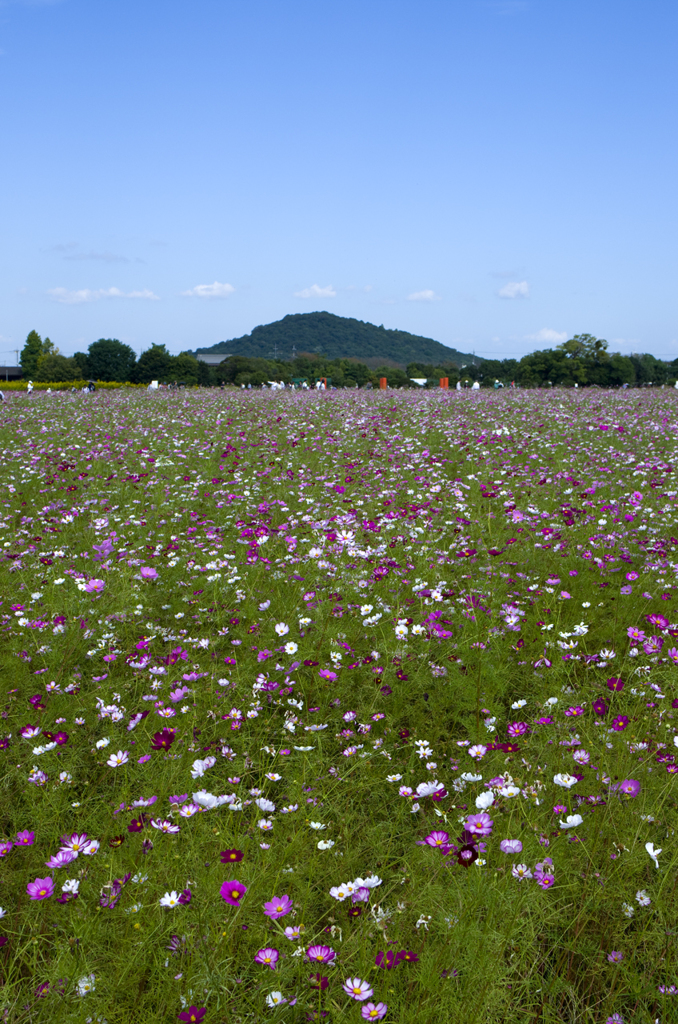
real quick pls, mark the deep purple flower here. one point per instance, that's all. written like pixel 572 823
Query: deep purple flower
pixel 318 981
pixel 233 892
pixel 620 723
pixel 278 907
pixel 600 707
pixel 387 961
pixel 320 954
pixel 467 854
pixel 185 897
pixel 163 739
pixel 40 889
pixel 193 1015
pixel 228 856
pixel 615 684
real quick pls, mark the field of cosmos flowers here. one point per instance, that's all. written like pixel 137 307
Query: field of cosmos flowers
pixel 339 706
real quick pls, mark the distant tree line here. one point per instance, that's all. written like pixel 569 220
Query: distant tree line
pixel 583 360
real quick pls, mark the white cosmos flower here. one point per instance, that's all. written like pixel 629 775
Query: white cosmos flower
pixel 122 757
pixel 571 821
pixel 86 984
pixel 509 791
pixel 484 800
pixel 518 704
pixel 325 844
pixel 317 825
pixel 393 778
pixel 275 999
pixel 170 899
pixel 281 628
pixel 265 824
pixel 100 744
pixel 564 780
pixel 653 853
pixel 265 805
pixel 291 647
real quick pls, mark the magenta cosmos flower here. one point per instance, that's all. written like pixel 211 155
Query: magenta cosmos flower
pixel 516 729
pixel 320 954
pixel 437 839
pixel 267 956
pixel 233 892
pixel 615 684
pixel 479 824
pixel 631 787
pixel 620 723
pixel 358 989
pixel 278 906
pixel 374 1011
pixel 25 838
pixel 40 889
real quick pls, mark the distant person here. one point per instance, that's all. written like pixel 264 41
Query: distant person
pixel 29 387
pixel 458 385
pixel 475 386
pixel 2 396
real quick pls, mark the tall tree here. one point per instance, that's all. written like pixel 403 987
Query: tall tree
pixel 110 359
pixel 30 354
pixel 55 368
pixel 154 364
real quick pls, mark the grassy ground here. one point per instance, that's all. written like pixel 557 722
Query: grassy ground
pixel 406 659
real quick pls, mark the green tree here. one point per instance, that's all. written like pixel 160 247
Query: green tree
pixel 30 354
pixel 110 359
pixel 81 360
pixel 154 364
pixel 56 368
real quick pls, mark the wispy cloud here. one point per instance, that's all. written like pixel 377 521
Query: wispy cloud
pixel 68 250
pixel 514 290
pixel 76 298
pixel 216 290
pixel 426 296
pixel 316 292
pixel 548 334
pixel 103 257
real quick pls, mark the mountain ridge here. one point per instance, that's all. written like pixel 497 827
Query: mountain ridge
pixel 337 337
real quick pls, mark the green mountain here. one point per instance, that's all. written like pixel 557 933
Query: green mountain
pixel 339 337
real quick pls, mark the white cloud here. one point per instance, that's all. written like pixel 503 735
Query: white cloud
pixel 426 296
pixel 316 292
pixel 514 290
pixel 548 334
pixel 76 298
pixel 217 290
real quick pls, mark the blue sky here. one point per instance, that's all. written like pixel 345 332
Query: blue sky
pixel 495 174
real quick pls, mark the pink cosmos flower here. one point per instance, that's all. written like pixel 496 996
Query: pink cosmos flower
pixel 147 573
pixel 630 787
pixel 94 586
pixel 163 825
pixel 40 889
pixel 61 859
pixel 233 892
pixel 511 846
pixel 516 729
pixel 74 842
pixel 25 838
pixel 357 989
pixel 267 956
pixel 5 848
pixel 479 824
pixel 374 1011
pixel 320 954
pixel 278 906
